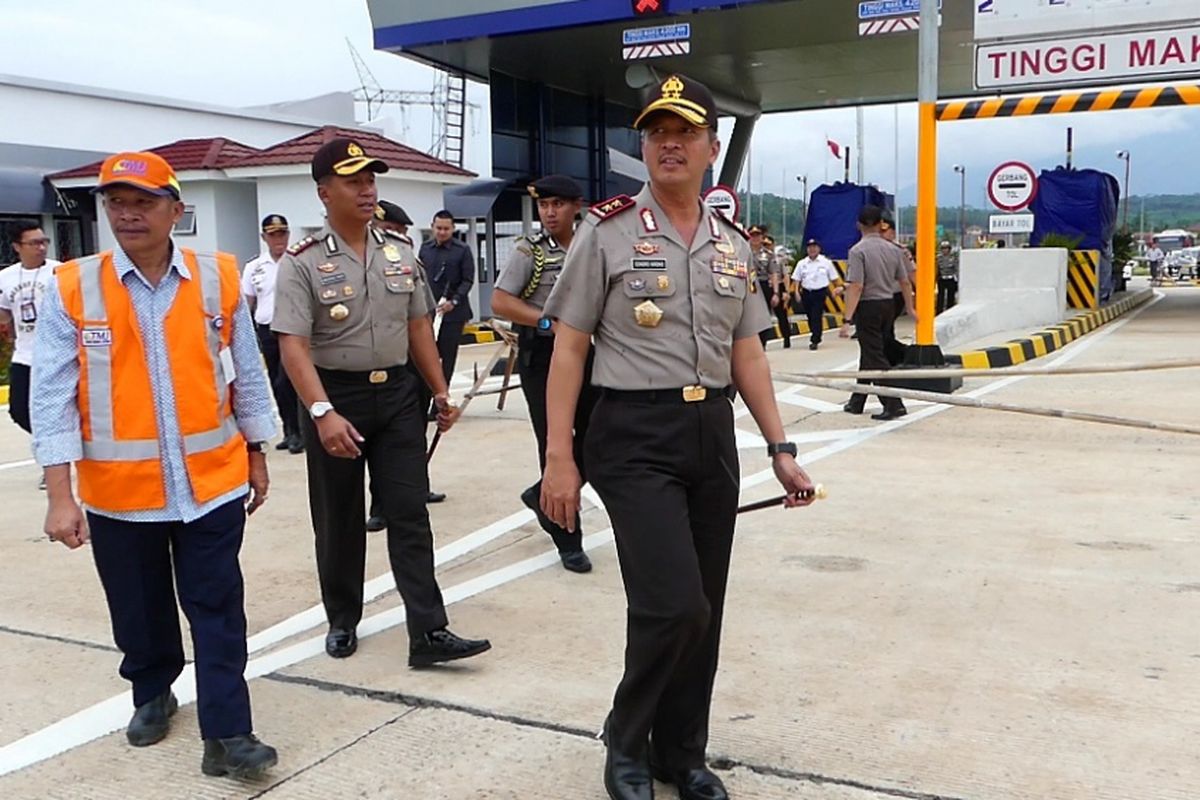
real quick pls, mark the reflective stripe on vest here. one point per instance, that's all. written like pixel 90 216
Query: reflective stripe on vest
pixel 103 445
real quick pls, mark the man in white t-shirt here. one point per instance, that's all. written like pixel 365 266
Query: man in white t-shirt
pixel 1155 256
pixel 814 275
pixel 22 287
pixel 258 285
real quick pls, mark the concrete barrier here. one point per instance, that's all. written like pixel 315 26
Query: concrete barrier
pixel 1002 290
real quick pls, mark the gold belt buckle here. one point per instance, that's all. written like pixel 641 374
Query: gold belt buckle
pixel 694 394
pixel 378 376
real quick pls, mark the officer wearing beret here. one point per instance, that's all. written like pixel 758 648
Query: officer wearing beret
pixel 765 267
pixel 350 313
pixel 520 296
pixel 662 284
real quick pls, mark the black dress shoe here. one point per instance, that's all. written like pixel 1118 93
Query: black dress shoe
pixel 152 720
pixel 376 523
pixel 441 645
pixel 237 757
pixel 626 777
pixel 890 414
pixel 813 345
pixel 435 497
pixel 295 444
pixel 852 408
pixel 341 643
pixel 284 443
pixel 576 561
pixel 694 784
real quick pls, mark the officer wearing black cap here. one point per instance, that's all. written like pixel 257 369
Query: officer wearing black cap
pixel 258 285
pixel 519 296
pixel 351 313
pixel 815 276
pixel 662 284
pixel 765 266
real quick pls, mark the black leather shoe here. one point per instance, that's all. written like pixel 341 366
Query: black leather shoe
pixel 441 645
pixel 376 523
pixel 532 499
pixel 152 720
pixel 341 643
pixel 694 784
pixel 284 443
pixel 237 757
pixel 852 408
pixel 576 561
pixel 813 345
pixel 626 777
pixel 435 497
pixel 296 444
pixel 890 414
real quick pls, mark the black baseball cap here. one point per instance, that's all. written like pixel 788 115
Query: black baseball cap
pixel 274 222
pixel 811 242
pixel 390 212
pixel 343 156
pixel 554 186
pixel 683 97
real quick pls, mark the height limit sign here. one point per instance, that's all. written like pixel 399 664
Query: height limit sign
pixel 1012 186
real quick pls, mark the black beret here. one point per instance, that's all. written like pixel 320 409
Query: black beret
pixel 555 186
pixel 390 212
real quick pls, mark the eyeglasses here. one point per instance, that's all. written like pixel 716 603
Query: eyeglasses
pixel 35 243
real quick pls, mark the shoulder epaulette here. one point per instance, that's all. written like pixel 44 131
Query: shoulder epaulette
pixel 737 226
pixel 611 207
pixel 302 245
pixel 400 236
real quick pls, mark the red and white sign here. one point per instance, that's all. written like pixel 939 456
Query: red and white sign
pixel 656 50
pixel 1098 58
pixel 723 199
pixel 1012 186
pixel 876 27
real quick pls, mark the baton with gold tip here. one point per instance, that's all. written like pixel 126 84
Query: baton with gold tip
pixel 501 352
pixel 818 493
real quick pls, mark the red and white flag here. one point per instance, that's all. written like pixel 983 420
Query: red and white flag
pixel 834 148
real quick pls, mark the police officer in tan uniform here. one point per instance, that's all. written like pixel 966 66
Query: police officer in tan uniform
pixel 778 299
pixel 764 266
pixel 661 283
pixel 520 295
pixel 350 312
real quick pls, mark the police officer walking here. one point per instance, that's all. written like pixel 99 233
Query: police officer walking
pixel 661 282
pixel 763 266
pixel 258 285
pixel 778 300
pixel 451 272
pixel 350 313
pixel 875 270
pixel 519 296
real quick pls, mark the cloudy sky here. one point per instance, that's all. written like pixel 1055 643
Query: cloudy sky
pixel 249 52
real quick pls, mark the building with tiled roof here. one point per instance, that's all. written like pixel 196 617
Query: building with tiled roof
pixel 185 155
pixel 299 152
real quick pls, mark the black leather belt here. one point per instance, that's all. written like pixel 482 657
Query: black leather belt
pixel 688 394
pixel 374 376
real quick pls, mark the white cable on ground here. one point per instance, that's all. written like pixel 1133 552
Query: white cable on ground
pixel 996 372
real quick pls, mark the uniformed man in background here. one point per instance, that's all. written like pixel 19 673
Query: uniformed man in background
pixel 779 293
pixel 662 284
pixel 762 260
pixel 519 296
pixel 258 285
pixel 350 313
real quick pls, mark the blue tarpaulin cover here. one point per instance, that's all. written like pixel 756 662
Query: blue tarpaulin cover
pixel 833 215
pixel 1079 202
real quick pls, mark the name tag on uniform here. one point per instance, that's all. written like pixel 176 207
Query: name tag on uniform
pixel 326 280
pixel 227 367
pixel 649 263
pixel 96 337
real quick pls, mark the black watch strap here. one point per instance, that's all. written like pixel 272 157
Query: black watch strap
pixel 255 447
pixel 782 447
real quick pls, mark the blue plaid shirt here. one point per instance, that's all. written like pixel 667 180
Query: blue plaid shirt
pixel 55 387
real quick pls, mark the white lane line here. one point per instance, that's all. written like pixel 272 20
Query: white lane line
pixel 811 403
pixel 110 715
pixel 17 464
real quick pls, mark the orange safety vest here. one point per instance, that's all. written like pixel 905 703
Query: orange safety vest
pixel 122 469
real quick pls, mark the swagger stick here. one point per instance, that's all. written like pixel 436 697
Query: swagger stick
pixel 818 493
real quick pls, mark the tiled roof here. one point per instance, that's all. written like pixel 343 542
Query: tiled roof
pixel 300 150
pixel 183 155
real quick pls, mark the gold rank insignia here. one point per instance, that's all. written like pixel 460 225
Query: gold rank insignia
pixel 339 312
pixel 354 150
pixel 647 314
pixel 328 294
pixel 326 267
pixel 664 282
pixel 725 246
pixel 391 252
pixel 723 282
pixel 348 291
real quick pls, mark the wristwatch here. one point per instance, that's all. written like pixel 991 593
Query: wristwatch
pixel 782 447
pixel 255 447
pixel 544 323
pixel 320 409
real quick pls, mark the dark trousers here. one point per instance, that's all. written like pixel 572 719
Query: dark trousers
pixel 141 565
pixel 533 366
pixel 669 476
pixel 18 395
pixel 424 399
pixel 281 386
pixel 872 320
pixel 387 416
pixel 449 335
pixel 767 334
pixel 947 295
pixel 813 301
pixel 781 316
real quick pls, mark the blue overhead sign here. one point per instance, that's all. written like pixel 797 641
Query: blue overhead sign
pixel 659 33
pixel 874 9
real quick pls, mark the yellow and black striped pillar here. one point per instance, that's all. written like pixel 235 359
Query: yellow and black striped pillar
pixel 836 303
pixel 1083 279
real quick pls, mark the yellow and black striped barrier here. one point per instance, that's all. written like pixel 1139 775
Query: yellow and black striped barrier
pixel 800 327
pixel 1069 102
pixel 3 395
pixel 1083 279
pixel 1036 345
pixel 474 333
pixel 836 303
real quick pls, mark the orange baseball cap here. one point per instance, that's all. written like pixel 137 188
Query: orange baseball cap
pixel 146 171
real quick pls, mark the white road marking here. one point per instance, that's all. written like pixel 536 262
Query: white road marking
pixel 17 464
pixel 111 715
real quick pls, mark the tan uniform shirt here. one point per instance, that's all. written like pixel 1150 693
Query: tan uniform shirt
pixel 355 315
pixel 515 278
pixel 633 265
pixel 878 265
pixel 766 264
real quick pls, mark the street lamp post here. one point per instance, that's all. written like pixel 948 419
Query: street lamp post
pixel 803 203
pixel 1124 156
pixel 962 205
